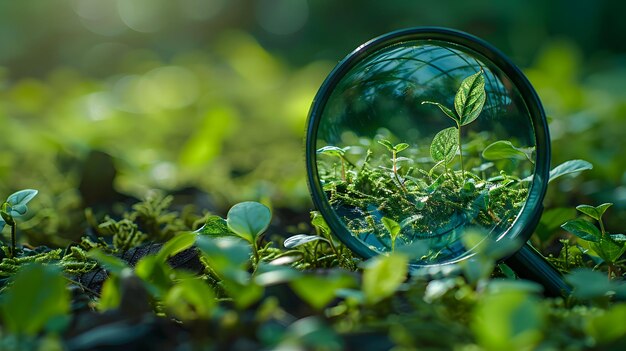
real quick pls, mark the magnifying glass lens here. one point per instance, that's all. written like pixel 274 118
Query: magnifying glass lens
pixel 418 142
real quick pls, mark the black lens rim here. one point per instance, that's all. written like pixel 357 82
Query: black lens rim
pixel 525 223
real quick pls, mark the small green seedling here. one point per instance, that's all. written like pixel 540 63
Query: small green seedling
pixel 609 247
pixel 15 207
pixel 249 220
pixel 395 149
pixel 468 104
pixel 336 152
pixel 393 228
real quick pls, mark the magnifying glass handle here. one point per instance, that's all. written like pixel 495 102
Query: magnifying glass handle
pixel 529 264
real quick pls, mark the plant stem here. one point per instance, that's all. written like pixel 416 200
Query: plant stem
pixel 13 230
pixel 395 170
pixel 343 169
pixel 255 250
pixel 461 153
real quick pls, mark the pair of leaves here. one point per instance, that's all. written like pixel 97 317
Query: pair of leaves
pixel 594 212
pixel 468 101
pixel 15 206
pixel 393 148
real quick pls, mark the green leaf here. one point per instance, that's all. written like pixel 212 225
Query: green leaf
pixel 215 226
pixel 588 284
pixel 510 319
pixel 602 208
pixel 568 167
pixel 583 229
pixel 386 143
pixel 177 244
pixel 392 227
pixel 589 211
pixel 190 299
pixel 609 250
pixel 249 220
pixel 301 239
pixel 110 263
pixel 332 151
pixel 21 197
pixel 243 295
pixel 551 220
pixel 156 274
pixel 37 295
pixel 470 98
pixel 445 145
pixel 445 110
pixel 111 294
pixel 229 256
pixel 401 147
pixel 594 212
pixel 318 291
pixel 383 275
pixel 271 274
pixel 504 149
pixel 607 326
pixel 618 237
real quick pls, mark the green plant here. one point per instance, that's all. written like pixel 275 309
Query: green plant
pixel 15 207
pixel 609 247
pixel 468 104
pixel 395 149
pixel 249 220
pixel 336 152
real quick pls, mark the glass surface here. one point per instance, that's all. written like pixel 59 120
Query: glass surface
pixel 421 141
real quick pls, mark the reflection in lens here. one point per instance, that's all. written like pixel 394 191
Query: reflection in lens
pixel 420 141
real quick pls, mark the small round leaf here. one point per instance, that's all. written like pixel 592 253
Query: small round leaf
pixel 249 220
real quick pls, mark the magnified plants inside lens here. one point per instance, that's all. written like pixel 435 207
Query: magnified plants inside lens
pixel 420 142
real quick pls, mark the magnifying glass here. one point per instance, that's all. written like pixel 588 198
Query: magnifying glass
pixel 422 135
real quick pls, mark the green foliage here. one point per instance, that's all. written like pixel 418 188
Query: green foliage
pixel 470 98
pixel 110 263
pixel 190 299
pixel 509 318
pixel 504 149
pixel 393 228
pixel 15 207
pixel 249 220
pixel 445 145
pixel 37 300
pixel 301 239
pixel 583 229
pixel 609 247
pixel 319 291
pixel 383 275
pixel 569 167
pixel 468 104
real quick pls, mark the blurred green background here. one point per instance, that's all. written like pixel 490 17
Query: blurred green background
pixel 103 100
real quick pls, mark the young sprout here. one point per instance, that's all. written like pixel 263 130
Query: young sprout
pixel 609 247
pixel 393 228
pixel 336 152
pixel 468 104
pixel 15 207
pixel 395 149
